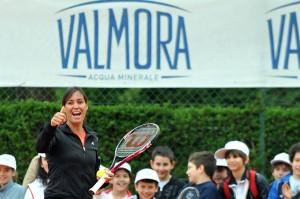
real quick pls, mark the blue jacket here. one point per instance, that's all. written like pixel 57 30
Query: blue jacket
pixel 275 191
pixel 208 190
pixel 12 190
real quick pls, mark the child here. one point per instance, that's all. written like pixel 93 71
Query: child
pixel 201 166
pixel 288 186
pixel 32 171
pixel 146 184
pixel 281 165
pixel 8 188
pixel 242 182
pixel 120 183
pixel 221 172
pixel 163 162
pixel 37 187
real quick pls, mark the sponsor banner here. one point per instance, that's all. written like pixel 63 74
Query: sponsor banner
pixel 283 58
pixel 149 43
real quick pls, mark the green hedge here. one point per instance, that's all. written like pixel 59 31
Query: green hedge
pixel 185 130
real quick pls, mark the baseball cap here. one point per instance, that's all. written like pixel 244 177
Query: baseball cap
pixel 146 174
pixel 8 160
pixel 125 166
pixel 221 162
pixel 232 145
pixel 281 157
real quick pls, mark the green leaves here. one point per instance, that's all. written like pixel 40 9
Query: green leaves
pixel 185 130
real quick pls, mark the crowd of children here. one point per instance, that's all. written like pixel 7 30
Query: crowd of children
pixel 223 174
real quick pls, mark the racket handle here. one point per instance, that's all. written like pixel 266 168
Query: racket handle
pixel 97 186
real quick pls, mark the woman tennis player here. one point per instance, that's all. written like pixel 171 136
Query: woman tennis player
pixel 71 149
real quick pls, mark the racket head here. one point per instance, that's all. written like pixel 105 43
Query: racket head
pixel 189 193
pixel 131 145
pixel 136 139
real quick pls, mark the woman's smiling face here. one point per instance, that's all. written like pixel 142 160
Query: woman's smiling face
pixel 76 108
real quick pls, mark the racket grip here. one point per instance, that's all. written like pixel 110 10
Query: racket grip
pixel 97 186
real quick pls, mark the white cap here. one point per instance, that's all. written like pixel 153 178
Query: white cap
pixel 221 162
pixel 125 166
pixel 232 145
pixel 101 167
pixel 146 174
pixel 43 155
pixel 8 160
pixel 281 157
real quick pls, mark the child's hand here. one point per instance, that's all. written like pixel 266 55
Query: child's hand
pixel 286 191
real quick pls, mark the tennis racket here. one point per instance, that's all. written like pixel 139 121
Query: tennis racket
pixel 189 193
pixel 130 146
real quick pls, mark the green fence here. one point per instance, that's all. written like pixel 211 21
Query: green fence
pixel 239 97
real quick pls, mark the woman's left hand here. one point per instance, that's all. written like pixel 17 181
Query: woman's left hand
pixel 105 173
pixel 108 175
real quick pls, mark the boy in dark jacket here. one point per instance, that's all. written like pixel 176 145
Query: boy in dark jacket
pixel 163 162
pixel 201 166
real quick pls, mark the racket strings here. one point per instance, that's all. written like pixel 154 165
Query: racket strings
pixel 136 140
